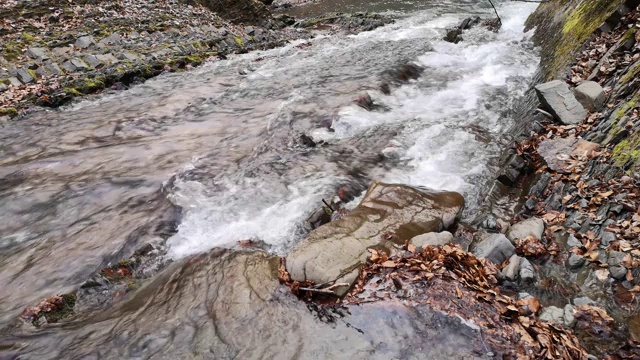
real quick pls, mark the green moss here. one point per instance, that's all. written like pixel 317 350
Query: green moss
pixel 631 73
pixel 563 26
pixel 9 111
pixel 627 152
pixel 238 40
pixel 72 91
pixel 5 81
pixel 28 38
pixel 622 111
pixel 33 74
pixel 12 50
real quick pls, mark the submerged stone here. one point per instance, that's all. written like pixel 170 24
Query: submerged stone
pixel 387 212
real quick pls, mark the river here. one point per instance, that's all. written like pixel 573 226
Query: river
pixel 78 184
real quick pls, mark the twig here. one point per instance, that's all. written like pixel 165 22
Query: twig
pixel 329 206
pixel 544 113
pixel 319 291
pixel 496 10
pixel 337 285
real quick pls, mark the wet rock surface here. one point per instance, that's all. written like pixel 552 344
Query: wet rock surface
pixel 388 213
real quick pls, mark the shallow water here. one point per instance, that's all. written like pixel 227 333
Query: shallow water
pixel 80 184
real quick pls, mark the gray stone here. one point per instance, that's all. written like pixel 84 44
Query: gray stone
pixel 128 56
pixel 433 239
pixel 160 53
pixel 512 269
pixel 61 51
pixel 575 261
pixel 524 296
pixel 530 227
pixel 568 318
pixel 3 88
pixel 615 258
pixel 79 64
pixel 591 95
pixel 496 248
pixel 14 81
pixel 557 153
pixel 335 249
pixel 42 71
pixel 618 272
pixel 54 68
pixel 93 61
pixel 85 42
pixel 573 241
pixel 24 76
pixel 68 66
pixel 583 300
pixel 552 314
pixel 607 238
pixel 113 39
pixel 557 99
pixel 107 58
pixel 38 53
pixel 527 272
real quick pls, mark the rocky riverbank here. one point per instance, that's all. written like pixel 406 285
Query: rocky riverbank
pixel 54 52
pixel 559 279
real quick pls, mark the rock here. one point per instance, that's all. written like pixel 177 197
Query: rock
pixel 530 227
pixel 496 248
pixel 68 66
pixel 552 314
pixel 79 64
pixel 527 272
pixel 607 237
pixel 575 261
pixel 3 88
pixel 14 81
pixel 113 39
pixel 24 76
pixel 557 152
pixel 433 239
pixel 567 317
pixel 85 42
pixel 453 36
pixel 93 61
pixel 615 258
pixel 618 272
pixel 107 59
pixel 38 53
pixel 591 95
pixel 468 23
pixel 512 270
pixel 572 242
pixel 583 300
pixel 557 99
pixel 128 56
pixel 388 211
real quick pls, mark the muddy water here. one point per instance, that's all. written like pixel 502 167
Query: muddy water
pixel 83 186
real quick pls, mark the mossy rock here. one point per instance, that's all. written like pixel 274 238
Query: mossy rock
pixel 562 28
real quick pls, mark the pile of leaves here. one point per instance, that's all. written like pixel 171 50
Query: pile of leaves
pixel 453 281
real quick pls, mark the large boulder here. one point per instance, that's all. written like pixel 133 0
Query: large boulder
pixel 557 99
pixel 388 212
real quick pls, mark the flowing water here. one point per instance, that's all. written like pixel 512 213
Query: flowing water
pixel 79 185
